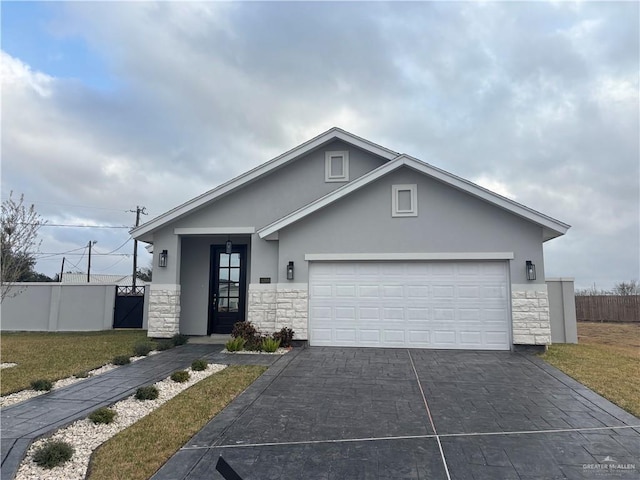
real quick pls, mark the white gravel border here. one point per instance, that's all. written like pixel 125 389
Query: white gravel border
pixel 22 395
pixel 85 436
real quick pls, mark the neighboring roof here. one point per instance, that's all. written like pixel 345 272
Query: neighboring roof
pixel 552 228
pixel 122 280
pixel 334 133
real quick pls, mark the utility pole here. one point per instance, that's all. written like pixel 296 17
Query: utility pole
pixel 139 210
pixel 62 269
pixel 91 243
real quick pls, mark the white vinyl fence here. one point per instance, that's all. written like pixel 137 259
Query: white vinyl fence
pixel 55 307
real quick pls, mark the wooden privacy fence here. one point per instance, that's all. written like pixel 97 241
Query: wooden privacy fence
pixel 608 308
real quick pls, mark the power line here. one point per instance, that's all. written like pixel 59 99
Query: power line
pixel 75 265
pixel 55 254
pixel 115 250
pixel 112 265
pixel 83 253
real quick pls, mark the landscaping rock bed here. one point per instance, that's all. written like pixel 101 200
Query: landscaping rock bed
pixel 23 395
pixel 86 436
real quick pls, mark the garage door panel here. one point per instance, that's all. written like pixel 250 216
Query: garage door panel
pixel 390 336
pixel 322 335
pixel 419 338
pixel 417 314
pixel 441 268
pixel 345 334
pixel 392 269
pixel 471 338
pixel 443 291
pixel 369 335
pixel 469 291
pixel 494 269
pixel 446 338
pixel 345 290
pixel 495 338
pixel 414 304
pixel 345 313
pixel 320 290
pixel 369 313
pixel 392 291
pixel 472 269
pixel 368 291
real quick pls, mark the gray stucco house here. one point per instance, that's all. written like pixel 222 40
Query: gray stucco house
pixel 352 244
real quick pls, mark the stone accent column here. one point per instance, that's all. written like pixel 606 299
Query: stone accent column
pixel 292 309
pixel 261 311
pixel 274 306
pixel 530 313
pixel 164 310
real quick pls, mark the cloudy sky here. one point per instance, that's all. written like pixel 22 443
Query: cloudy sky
pixel 106 106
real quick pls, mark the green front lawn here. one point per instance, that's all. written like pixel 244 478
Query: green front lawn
pixel 53 356
pixel 140 450
pixel 606 359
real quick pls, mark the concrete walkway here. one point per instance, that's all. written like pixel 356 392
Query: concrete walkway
pixel 22 423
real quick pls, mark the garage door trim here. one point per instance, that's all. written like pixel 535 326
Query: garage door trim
pixel 362 257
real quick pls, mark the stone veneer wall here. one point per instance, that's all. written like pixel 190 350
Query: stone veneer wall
pixel 274 306
pixel 164 311
pixel 530 313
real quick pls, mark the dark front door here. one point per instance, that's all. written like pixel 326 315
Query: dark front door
pixel 227 288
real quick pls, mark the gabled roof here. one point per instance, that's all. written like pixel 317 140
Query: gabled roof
pixel 552 228
pixel 334 133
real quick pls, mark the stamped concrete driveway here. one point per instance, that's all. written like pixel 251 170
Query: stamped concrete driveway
pixel 353 413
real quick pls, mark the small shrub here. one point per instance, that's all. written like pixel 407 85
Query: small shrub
pixel 199 365
pixel 121 360
pixel 53 453
pixel 179 339
pixel 285 335
pixel 254 343
pixel 41 385
pixel 180 376
pixel 235 344
pixel 270 345
pixel 102 415
pixel 165 344
pixel 142 349
pixel 83 374
pixel 244 330
pixel 147 393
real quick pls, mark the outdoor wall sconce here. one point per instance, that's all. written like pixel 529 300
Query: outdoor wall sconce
pixel 228 247
pixel 290 271
pixel 531 270
pixel 162 258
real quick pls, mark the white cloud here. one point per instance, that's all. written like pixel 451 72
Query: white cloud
pixel 538 102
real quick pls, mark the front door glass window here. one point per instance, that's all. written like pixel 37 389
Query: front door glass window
pixel 229 282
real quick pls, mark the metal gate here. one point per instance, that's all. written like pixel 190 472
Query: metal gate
pixel 129 307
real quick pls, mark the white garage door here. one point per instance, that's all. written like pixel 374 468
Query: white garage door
pixel 458 305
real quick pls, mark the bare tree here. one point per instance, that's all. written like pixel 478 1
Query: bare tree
pixel 627 288
pixel 591 291
pixel 19 232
